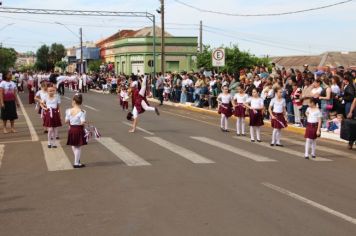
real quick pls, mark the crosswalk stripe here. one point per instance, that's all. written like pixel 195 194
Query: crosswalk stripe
pixel 56 159
pixel 233 149
pixel 323 148
pixel 285 150
pixel 181 151
pixel 2 152
pixel 123 153
pixel 139 128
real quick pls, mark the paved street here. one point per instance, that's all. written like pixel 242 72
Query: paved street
pixel 178 175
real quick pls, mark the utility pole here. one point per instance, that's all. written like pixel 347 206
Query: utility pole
pixel 81 50
pixel 201 37
pixel 163 60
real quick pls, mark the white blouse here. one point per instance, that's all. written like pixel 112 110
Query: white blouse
pixel 256 103
pixel 278 106
pixel 77 119
pixel 41 94
pixel 313 115
pixel 52 103
pixel 241 98
pixel 224 98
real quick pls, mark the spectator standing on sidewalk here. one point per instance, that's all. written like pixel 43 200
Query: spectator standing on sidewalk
pixel 160 88
pixel 297 103
pixel 352 115
pixel 349 93
pixel 306 96
pixel 326 102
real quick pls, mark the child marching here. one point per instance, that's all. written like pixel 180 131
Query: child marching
pixel 39 98
pixel 52 117
pixel 239 100
pixel 225 108
pixel 277 109
pixel 313 127
pixel 124 98
pixel 76 118
pixel 255 105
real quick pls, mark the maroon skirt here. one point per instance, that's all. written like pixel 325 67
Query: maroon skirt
pixel 76 136
pixel 225 109
pixel 280 122
pixel 240 110
pixel 311 130
pixel 52 120
pixel 256 119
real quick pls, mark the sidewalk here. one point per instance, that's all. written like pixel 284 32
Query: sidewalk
pixel 290 128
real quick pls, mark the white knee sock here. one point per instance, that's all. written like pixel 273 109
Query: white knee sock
pixel 313 147
pixel 258 132
pixel 146 107
pixel 242 125
pixel 278 136
pixel 77 152
pixel 222 121
pixel 252 130
pixel 238 125
pixel 307 147
pixel 226 123
pixel 50 135
pixel 274 136
pixel 55 132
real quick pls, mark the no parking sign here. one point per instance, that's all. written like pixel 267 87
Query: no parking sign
pixel 218 57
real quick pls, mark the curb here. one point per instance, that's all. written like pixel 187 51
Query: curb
pixel 297 130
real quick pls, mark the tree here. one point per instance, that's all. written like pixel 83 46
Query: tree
pixel 62 64
pixel 94 66
pixel 8 58
pixel 42 58
pixel 56 53
pixel 235 59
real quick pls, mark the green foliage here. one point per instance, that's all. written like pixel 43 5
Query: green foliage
pixel 94 66
pixel 235 59
pixel 25 68
pixel 8 58
pixel 47 57
pixel 62 64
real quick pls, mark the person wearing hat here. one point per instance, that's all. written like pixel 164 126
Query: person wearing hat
pixel 306 68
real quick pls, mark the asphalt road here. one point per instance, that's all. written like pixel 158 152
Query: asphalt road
pixel 171 179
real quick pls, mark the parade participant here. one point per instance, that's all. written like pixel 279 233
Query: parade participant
pixel 31 89
pixel 124 99
pixel 352 115
pixel 239 100
pixel 52 117
pixel 277 109
pixel 140 106
pixel 8 102
pixel 225 108
pixel 76 118
pixel 312 131
pixel 40 96
pixel 256 106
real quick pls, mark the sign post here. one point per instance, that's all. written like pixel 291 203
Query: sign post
pixel 218 58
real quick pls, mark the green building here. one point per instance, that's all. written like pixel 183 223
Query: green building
pixel 132 51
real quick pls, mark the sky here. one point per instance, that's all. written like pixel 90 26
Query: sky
pixel 310 33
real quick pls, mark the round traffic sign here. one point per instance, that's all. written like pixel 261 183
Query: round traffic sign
pixel 219 55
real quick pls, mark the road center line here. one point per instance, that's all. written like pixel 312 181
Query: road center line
pixel 91 108
pixel 56 158
pixel 310 202
pixel 2 152
pixel 34 136
pixel 139 128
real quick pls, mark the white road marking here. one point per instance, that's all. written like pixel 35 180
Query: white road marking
pixel 34 136
pixel 123 153
pixel 91 108
pixel 181 151
pixel 233 149
pixel 285 150
pixel 2 152
pixel 323 148
pixel 17 141
pixel 311 203
pixel 67 98
pixel 56 159
pixel 139 128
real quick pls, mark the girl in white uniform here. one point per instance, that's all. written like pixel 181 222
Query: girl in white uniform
pixel 225 108
pixel 256 106
pixel 277 110
pixel 40 96
pixel 52 117
pixel 76 118
pixel 312 131
pixel 239 100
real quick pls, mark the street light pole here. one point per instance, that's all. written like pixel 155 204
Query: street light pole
pixel 81 50
pixel 163 60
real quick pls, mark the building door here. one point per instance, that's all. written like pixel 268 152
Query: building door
pixel 137 67
pixel 172 66
pixel 123 67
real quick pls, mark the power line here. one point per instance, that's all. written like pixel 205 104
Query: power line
pixel 262 14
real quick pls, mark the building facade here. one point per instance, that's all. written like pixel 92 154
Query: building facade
pixel 132 52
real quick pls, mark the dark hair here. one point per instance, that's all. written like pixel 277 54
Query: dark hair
pixel 129 116
pixel 242 86
pixel 314 101
pixel 78 99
